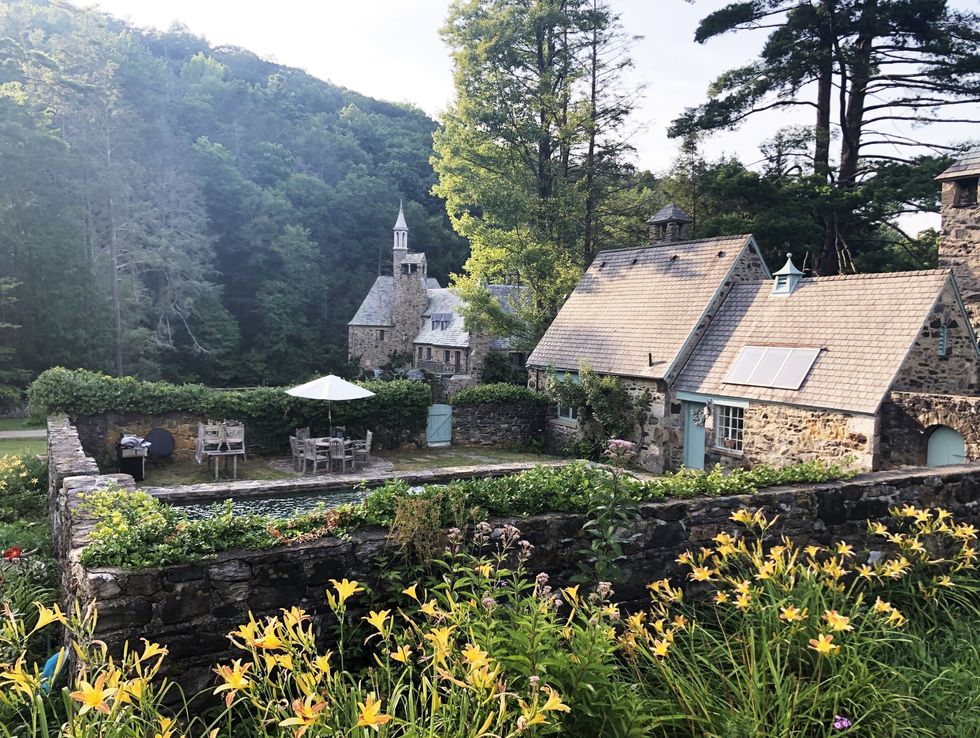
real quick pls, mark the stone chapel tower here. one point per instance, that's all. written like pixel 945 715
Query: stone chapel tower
pixel 410 299
pixel 959 240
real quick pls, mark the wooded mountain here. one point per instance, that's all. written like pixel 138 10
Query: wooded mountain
pixel 170 209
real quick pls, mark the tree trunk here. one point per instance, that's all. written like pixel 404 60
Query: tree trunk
pixel 853 117
pixel 591 196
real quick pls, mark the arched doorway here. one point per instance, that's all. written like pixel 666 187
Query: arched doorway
pixel 946 446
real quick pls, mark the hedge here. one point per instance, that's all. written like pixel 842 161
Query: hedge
pixel 396 413
pixel 498 394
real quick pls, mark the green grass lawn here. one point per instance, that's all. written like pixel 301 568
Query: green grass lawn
pixel 441 458
pixel 15 424
pixel 18 446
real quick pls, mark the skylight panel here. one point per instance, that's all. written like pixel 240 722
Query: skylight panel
pixel 772 366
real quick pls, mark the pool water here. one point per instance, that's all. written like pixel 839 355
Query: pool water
pixel 279 507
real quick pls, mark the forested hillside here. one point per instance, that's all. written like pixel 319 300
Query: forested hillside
pixel 173 210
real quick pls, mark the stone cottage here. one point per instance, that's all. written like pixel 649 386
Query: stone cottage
pixel 747 367
pixel 409 313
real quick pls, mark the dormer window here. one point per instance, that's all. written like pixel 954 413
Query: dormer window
pixel 441 321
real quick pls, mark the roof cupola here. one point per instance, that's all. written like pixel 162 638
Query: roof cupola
pixel 670 223
pixel 787 278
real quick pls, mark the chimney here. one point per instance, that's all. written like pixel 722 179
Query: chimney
pixel 669 224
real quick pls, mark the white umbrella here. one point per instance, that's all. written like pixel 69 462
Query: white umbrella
pixel 330 388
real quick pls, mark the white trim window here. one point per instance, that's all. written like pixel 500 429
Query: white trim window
pixel 729 427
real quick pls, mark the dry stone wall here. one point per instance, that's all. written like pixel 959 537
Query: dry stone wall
pixel 192 607
pixel 504 425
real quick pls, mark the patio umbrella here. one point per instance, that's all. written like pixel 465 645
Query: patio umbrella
pixel 330 388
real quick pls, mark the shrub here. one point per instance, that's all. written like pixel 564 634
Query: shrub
pixel 497 367
pixel 396 413
pixel 499 394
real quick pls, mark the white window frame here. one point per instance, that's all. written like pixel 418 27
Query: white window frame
pixel 729 426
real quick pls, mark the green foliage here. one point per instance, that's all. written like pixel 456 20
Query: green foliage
pixel 396 412
pixel 531 149
pixel 606 409
pixel 497 368
pixel 194 213
pixel 498 394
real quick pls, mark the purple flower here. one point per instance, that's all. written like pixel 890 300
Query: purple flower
pixel 841 722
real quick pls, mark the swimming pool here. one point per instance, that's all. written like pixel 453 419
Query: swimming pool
pixel 280 506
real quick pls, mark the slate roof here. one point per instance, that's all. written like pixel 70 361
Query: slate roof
pixel 966 166
pixel 455 334
pixel 670 212
pixel 633 302
pixel 376 309
pixel 864 323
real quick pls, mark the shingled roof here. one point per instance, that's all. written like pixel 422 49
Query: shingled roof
pixel 967 165
pixel 376 310
pixel 634 303
pixel 865 325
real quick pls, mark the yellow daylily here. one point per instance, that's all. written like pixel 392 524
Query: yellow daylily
pixel 371 715
pixel 554 703
pixel 792 614
pixel 403 653
pixel 837 622
pixel 305 715
pixel 660 647
pixel 235 679
pixel 379 619
pixel 322 662
pixel 439 638
pixel 45 616
pixel 20 680
pixel 824 645
pixel 166 727
pixel 93 696
pixel 474 656
pixel 269 639
pixel 430 609
pixel 411 592
pixel 485 570
pixel 345 590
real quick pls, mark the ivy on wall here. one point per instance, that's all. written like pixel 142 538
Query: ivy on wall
pixel 396 413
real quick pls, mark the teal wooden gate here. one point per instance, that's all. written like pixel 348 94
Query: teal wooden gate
pixel 439 429
pixel 946 446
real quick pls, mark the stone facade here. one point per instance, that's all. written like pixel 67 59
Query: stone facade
pixel 959 243
pixel 504 425
pixel 190 608
pixel 954 372
pixel 99 433
pixel 785 434
pixel 908 418
pixel 372 345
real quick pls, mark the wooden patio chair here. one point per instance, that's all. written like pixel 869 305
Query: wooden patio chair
pixel 296 446
pixel 235 438
pixel 339 452
pixel 314 455
pixel 362 449
pixel 302 433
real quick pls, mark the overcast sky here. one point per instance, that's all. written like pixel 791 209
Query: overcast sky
pixel 391 49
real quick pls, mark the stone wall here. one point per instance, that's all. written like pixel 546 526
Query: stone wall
pixel 190 608
pixel 925 370
pixel 785 434
pixel 99 433
pixel 504 425
pixel 959 247
pixel 907 419
pixel 366 342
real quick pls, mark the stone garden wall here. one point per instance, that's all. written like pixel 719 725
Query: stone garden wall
pixel 908 418
pixel 500 425
pixel 191 608
pixel 99 433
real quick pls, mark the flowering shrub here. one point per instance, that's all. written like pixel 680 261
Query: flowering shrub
pixel 777 640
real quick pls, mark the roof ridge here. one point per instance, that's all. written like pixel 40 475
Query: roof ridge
pixel 941 271
pixel 662 245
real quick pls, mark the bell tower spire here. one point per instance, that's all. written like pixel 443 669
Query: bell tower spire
pixel 400 230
